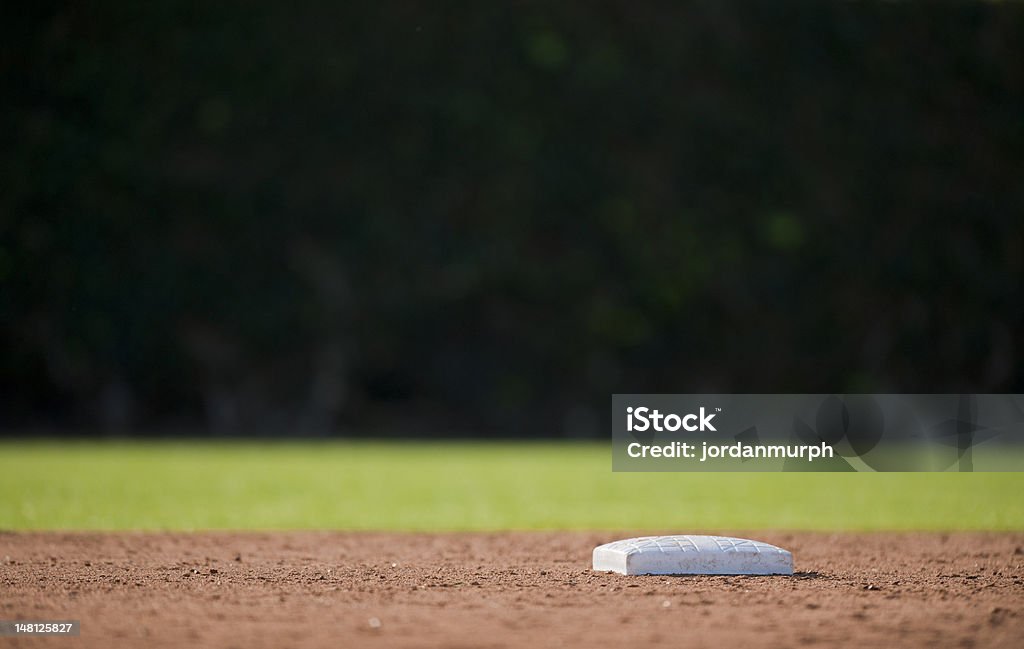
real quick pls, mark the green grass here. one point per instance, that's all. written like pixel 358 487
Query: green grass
pixel 450 486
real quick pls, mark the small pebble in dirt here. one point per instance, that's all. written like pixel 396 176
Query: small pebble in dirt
pixel 374 623
pixel 238 557
pixel 666 604
pixel 872 587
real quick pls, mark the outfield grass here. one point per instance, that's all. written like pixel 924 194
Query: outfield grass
pixel 452 486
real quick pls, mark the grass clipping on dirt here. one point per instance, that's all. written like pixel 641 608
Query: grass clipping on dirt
pixel 461 486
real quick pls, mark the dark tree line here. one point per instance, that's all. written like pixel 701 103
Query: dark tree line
pixel 467 218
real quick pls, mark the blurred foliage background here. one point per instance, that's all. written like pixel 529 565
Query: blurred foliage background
pixel 479 218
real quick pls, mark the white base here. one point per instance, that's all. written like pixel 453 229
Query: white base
pixel 692 555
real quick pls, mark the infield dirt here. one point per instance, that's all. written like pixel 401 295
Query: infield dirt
pixel 521 589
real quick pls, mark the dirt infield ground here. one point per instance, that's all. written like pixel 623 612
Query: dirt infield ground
pixel 504 590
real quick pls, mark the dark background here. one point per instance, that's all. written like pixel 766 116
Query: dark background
pixel 472 219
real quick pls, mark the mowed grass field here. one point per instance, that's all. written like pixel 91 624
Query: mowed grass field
pixel 461 486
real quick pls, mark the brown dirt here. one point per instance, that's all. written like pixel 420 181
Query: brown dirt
pixel 504 590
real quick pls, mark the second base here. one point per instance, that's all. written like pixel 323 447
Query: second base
pixel 692 555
